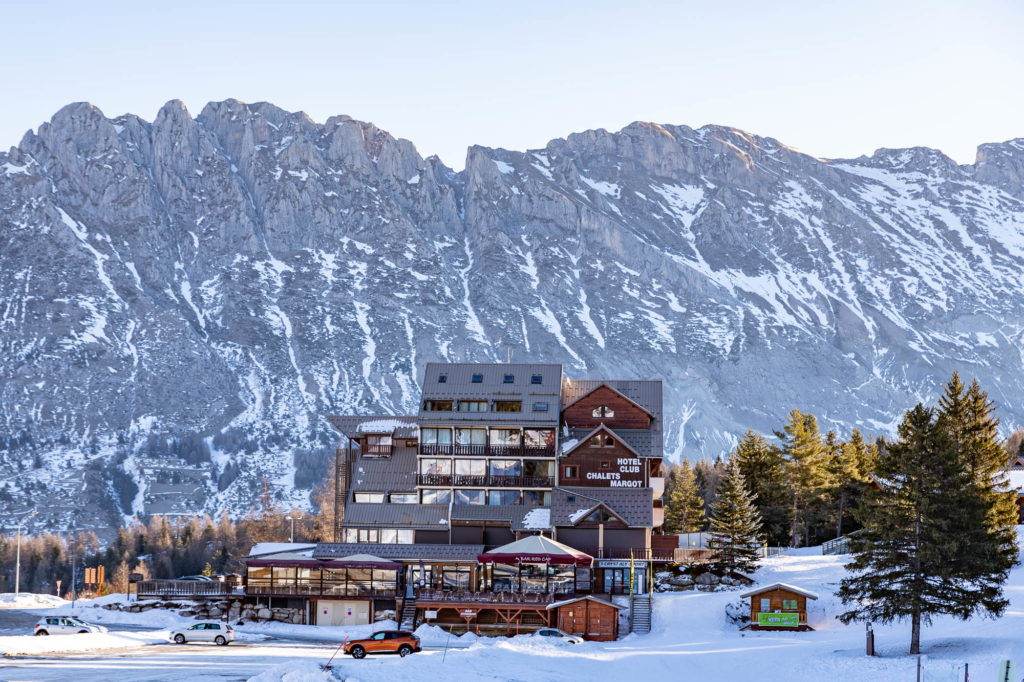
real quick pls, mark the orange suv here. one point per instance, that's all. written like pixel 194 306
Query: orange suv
pixel 384 642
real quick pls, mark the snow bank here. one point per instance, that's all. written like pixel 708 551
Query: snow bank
pixel 26 600
pixel 26 645
pixel 304 671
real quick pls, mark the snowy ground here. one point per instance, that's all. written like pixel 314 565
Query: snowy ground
pixel 691 640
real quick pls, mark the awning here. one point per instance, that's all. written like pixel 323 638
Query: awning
pixel 535 549
pixel 355 561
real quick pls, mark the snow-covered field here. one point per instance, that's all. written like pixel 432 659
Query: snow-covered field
pixel 691 639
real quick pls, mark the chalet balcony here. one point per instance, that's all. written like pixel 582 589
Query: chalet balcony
pixel 376 450
pixel 489 481
pixel 486 450
pixel 182 588
pixel 638 553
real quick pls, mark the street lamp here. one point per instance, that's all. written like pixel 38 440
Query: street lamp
pixel 17 570
pixel 291 538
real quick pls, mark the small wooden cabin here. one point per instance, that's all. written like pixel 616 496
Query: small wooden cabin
pixel 589 617
pixel 778 607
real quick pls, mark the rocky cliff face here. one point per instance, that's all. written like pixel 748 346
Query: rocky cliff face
pixel 182 302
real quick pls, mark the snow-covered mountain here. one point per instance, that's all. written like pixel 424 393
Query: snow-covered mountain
pixel 230 280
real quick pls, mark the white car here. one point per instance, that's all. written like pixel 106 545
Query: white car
pixel 207 631
pixel 65 625
pixel 556 635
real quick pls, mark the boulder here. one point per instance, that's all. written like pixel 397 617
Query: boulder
pixel 707 579
pixel 214 612
pixel 264 614
pixel 680 581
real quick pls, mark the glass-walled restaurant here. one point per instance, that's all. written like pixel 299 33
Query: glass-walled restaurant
pixel 314 578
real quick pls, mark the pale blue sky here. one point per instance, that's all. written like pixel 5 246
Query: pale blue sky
pixel 829 78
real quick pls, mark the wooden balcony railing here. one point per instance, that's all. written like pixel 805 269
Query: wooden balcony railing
pixel 638 553
pixel 315 589
pixel 490 481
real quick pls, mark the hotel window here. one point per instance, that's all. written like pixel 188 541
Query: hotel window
pixel 606 464
pixel 471 467
pixel 570 471
pixel 539 467
pixel 388 536
pixel 369 535
pixel 478 378
pixel 503 497
pixel 506 437
pixel 435 496
pixel 405 536
pixel 540 407
pixel 436 467
pixel 602 441
pixel 539 438
pixel 766 605
pixel 472 406
pixel 603 412
pixel 508 405
pixel 536 379
pixel 469 496
pixel 438 405
pixel 789 605
pixel 471 437
pixel 351 535
pixel 510 378
pixel 402 498
pixel 506 467
pixel 537 498
pixel 436 436
pixel 442 379
pixel 369 497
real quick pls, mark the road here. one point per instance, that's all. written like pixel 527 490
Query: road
pixel 165 662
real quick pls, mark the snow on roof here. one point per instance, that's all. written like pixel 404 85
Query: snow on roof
pixel 568 445
pixel 577 515
pixel 779 586
pixel 590 597
pixel 262 548
pixel 381 425
pixel 1016 478
pixel 537 519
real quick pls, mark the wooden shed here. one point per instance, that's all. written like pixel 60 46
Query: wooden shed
pixel 778 607
pixel 589 617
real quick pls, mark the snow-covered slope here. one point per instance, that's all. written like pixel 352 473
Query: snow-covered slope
pixel 246 272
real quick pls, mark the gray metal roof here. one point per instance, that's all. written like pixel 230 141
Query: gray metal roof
pixel 422 516
pixel 512 513
pixel 634 505
pixel 394 474
pixel 355 426
pixel 458 385
pixel 645 443
pixel 645 393
pixel 407 553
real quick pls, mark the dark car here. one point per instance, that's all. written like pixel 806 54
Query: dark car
pixel 384 642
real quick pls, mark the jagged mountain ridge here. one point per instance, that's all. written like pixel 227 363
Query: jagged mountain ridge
pixel 249 271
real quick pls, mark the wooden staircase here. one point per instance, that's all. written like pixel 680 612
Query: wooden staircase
pixel 640 613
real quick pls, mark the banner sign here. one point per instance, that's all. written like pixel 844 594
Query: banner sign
pixel 619 563
pixel 778 620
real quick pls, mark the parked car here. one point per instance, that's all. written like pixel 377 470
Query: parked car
pixel 556 635
pixel 207 631
pixel 197 578
pixel 384 642
pixel 64 625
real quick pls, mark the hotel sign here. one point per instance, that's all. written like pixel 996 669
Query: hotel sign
pixel 778 620
pixel 620 563
pixel 626 472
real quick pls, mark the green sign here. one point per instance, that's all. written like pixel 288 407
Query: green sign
pixel 778 620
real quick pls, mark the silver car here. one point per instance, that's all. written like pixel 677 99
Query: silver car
pixel 556 635
pixel 64 625
pixel 206 631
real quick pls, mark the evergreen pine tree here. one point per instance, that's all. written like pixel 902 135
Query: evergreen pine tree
pixel 986 546
pixel 807 459
pixel 763 468
pixel 901 566
pixel 735 536
pixel 850 468
pixel 685 508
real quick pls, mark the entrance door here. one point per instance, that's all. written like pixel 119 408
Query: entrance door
pixel 335 612
pixel 616 580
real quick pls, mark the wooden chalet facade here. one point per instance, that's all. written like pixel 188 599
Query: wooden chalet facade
pixel 778 607
pixel 498 454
